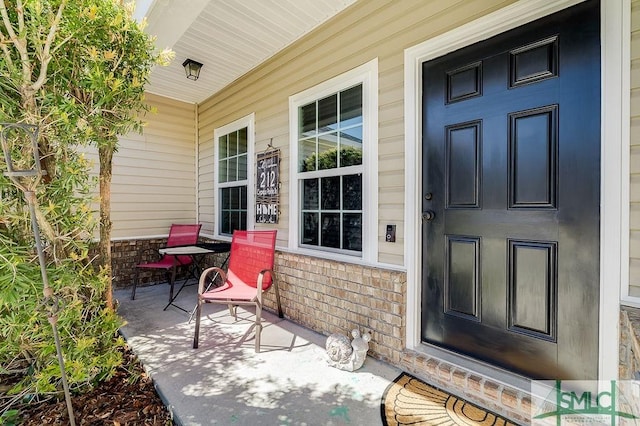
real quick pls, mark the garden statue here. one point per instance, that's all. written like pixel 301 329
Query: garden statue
pixel 347 355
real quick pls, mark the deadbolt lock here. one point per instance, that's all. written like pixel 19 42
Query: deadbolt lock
pixel 428 215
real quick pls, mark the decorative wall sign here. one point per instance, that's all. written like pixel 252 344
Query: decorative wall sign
pixel 268 187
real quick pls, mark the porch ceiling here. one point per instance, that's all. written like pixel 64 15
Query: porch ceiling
pixel 230 37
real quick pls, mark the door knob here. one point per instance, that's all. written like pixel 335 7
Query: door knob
pixel 428 215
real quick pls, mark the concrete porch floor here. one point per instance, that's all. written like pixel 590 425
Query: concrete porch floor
pixel 224 382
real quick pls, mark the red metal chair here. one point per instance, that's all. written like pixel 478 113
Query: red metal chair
pixel 179 235
pixel 249 275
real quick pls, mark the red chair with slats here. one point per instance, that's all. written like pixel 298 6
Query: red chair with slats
pixel 249 275
pixel 179 235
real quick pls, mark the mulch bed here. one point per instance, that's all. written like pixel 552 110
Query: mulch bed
pixel 128 398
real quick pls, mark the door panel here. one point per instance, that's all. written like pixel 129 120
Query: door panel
pixel 511 146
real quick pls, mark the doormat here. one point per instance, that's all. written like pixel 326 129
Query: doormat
pixel 410 401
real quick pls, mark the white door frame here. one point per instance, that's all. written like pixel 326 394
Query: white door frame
pixel 615 119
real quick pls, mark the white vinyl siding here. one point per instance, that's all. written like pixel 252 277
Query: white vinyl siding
pixel 154 172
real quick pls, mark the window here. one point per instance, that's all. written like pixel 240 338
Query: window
pixel 233 153
pixel 330 139
pixel 332 135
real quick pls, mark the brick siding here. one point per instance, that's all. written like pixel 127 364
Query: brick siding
pixel 126 254
pixel 335 297
pixel 629 343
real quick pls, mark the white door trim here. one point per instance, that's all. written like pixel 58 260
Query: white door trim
pixel 615 35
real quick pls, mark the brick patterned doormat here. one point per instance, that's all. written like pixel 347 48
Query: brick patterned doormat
pixel 410 401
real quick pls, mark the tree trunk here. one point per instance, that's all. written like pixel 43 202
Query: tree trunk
pixel 105 153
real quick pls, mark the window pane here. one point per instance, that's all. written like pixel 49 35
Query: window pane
pixel 225 198
pixel 233 209
pixel 235 220
pixel 310 194
pixel 242 167
pixel 225 223
pixel 233 164
pixel 330 136
pixel 243 220
pixel 351 106
pixel 350 151
pixel 310 229
pixel 352 192
pixel 331 193
pixel 308 155
pixel 351 136
pixel 222 171
pixel 222 147
pixel 330 235
pixel 327 152
pixel 308 120
pixel 234 198
pixel 242 140
pixel 233 143
pixel 233 170
pixel 243 198
pixel 352 231
pixel 328 113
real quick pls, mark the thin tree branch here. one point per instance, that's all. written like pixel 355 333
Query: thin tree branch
pixel 3 45
pixel 62 43
pixel 46 57
pixel 20 10
pixel 19 43
pixel 22 45
pixel 10 32
pixel 7 22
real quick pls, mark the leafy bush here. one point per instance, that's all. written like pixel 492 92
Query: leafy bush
pixel 86 326
pixel 76 69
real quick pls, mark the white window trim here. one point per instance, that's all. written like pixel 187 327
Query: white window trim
pixel 248 122
pixel 615 119
pixel 367 75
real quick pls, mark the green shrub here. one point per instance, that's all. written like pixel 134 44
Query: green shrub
pixel 87 328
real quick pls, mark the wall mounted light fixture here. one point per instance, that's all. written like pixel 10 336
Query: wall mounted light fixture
pixel 192 68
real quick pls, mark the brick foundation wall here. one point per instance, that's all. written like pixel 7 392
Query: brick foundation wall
pixel 629 356
pixel 335 297
pixel 483 391
pixel 629 343
pixel 126 254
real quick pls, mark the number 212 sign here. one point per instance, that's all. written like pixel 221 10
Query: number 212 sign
pixel 268 186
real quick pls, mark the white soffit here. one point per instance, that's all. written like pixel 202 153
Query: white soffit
pixel 230 37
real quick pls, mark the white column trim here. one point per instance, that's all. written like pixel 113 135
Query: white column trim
pixel 614 197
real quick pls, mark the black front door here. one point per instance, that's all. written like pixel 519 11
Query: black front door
pixel 511 160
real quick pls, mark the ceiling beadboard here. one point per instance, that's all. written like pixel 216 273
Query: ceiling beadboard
pixel 230 37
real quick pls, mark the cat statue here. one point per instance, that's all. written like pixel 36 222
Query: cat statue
pixel 347 355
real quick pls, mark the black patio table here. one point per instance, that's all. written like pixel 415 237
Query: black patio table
pixel 197 253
